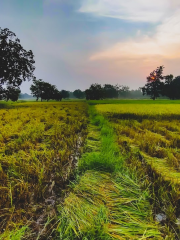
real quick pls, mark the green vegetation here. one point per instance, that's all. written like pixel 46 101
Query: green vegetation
pixel 107 201
pixel 16 65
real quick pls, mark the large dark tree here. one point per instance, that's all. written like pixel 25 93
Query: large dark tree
pixel 16 64
pixel 37 88
pixel 175 86
pixel 111 91
pixel 95 92
pixel 154 85
pixel 11 93
pixel 57 95
pixel 65 94
pixel 48 91
pixel 79 94
pixel 169 87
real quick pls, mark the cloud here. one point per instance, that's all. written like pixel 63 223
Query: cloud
pixel 131 10
pixel 163 44
pixel 131 60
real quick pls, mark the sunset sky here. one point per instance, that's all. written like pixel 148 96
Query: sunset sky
pixel 79 42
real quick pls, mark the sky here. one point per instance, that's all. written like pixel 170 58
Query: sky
pixel 80 42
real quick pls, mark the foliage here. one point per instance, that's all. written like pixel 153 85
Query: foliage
pixel 16 64
pixel 79 94
pixel 65 94
pixel 154 85
pixel 111 91
pixel 11 93
pixel 98 92
pixel 172 87
pixel 95 92
pixel 168 86
pixel 57 95
pixel 46 91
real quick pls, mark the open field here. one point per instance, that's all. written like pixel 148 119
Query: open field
pixel 126 160
pixel 149 138
pixel 134 101
pixel 39 146
pixel 154 129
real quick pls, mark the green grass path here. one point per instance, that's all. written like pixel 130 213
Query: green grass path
pixel 106 201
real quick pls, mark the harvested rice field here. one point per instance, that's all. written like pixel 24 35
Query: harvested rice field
pixel 90 171
pixel 148 135
pixel 39 146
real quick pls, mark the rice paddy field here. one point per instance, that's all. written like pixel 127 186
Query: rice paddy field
pixel 96 170
pixel 148 136
pixel 39 146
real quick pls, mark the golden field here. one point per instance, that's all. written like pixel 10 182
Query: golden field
pixel 39 143
pixel 148 136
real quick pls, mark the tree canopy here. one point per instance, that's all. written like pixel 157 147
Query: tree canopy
pixel 65 94
pixel 97 92
pixel 111 91
pixel 44 90
pixel 172 87
pixel 154 85
pixel 16 64
pixel 79 94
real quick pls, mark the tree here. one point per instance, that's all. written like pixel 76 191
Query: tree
pixel 65 94
pixel 154 86
pixel 79 94
pixel 11 93
pixel 57 95
pixel 176 88
pixel 95 92
pixel 111 91
pixel 169 87
pixel 124 91
pixel 37 88
pixel 16 64
pixel 48 91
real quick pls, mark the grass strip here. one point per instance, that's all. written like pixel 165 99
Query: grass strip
pixel 106 201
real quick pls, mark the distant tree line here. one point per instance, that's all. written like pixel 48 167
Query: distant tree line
pixel 108 91
pixel 97 92
pixel 158 85
pixel 46 91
